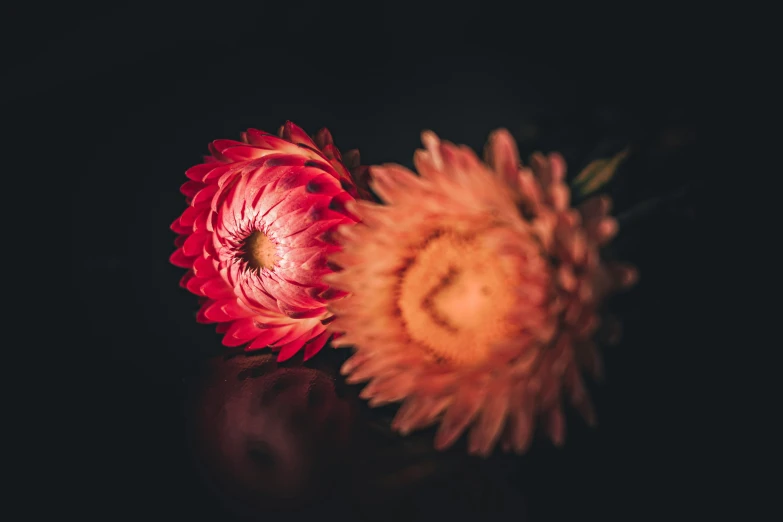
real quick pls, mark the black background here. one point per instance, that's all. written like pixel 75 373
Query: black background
pixel 136 90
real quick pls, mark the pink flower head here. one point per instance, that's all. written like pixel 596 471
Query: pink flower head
pixel 257 232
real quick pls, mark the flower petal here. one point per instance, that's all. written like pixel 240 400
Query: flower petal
pixel 295 134
pixel 315 345
pixel 289 350
pixel 178 258
pixel 199 172
pixel 459 415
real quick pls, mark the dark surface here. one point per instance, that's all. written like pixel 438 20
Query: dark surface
pixel 137 92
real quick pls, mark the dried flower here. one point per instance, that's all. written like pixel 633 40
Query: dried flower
pixel 473 294
pixel 256 234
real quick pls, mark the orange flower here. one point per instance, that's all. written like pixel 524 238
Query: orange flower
pixel 474 293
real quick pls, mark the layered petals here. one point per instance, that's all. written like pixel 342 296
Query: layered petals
pixel 473 293
pixel 254 236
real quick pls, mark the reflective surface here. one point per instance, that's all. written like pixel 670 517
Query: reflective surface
pixel 119 101
pixel 271 438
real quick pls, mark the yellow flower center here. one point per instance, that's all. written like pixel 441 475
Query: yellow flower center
pixel 458 296
pixel 260 251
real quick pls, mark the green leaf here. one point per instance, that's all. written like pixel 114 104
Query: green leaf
pixel 598 173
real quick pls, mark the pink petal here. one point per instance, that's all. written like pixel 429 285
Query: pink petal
pixel 244 153
pixel 201 316
pixel 217 173
pixel 178 258
pixel 224 190
pixel 222 328
pixel 295 200
pixel 315 345
pixel 198 172
pixel 191 188
pixel 323 184
pixel 183 282
pixel 204 196
pixel 234 308
pixel 299 256
pixel 224 310
pixel 269 336
pixel 322 212
pixel 222 145
pixel 243 329
pixel 306 314
pixel 295 134
pixel 270 142
pixel 216 288
pixel 338 205
pixel 257 297
pixel 291 295
pixel 232 342
pixel 295 333
pixel 195 284
pixel 200 223
pixel 310 234
pixel 194 245
pixel 179 229
pixel 189 216
pixel 216 153
pixel 296 178
pixel 352 159
pixel 342 173
pixel 332 152
pixel 202 267
pixel 266 199
pixel 323 138
pixel 296 275
pixel 289 350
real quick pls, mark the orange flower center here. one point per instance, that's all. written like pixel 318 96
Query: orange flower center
pixel 260 251
pixel 460 296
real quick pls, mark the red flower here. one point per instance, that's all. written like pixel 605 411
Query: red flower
pixel 256 234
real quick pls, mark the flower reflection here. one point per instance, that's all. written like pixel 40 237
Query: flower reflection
pixel 269 437
pixel 272 438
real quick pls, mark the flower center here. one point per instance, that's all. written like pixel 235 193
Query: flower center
pixel 260 252
pixel 459 298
